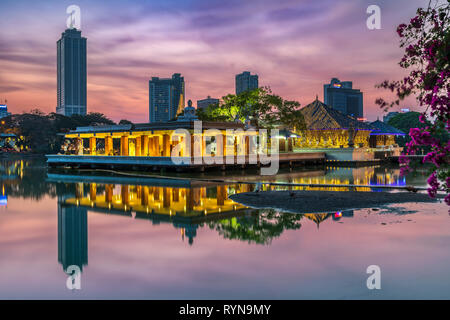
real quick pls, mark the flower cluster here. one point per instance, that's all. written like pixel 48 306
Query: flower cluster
pixel 426 41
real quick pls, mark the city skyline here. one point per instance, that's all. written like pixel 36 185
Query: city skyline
pixel 300 47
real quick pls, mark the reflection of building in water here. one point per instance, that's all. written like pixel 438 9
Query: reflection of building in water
pixel 318 218
pixel 187 230
pixel 72 236
pixel 12 169
pixel 370 176
pixel 185 208
pixel 3 197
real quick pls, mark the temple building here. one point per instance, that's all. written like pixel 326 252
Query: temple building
pixel 383 134
pixel 149 139
pixel 184 143
pixel 187 143
pixel 327 127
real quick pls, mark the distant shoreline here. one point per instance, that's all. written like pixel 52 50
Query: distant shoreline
pixel 324 201
pixel 21 155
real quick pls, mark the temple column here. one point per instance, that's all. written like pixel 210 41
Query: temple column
pixel 108 145
pixel 124 146
pixel 166 146
pixel 224 146
pixel 92 146
pixel 151 147
pixel 144 145
pixel 157 147
pixel 203 145
pixel 138 146
pixel 192 145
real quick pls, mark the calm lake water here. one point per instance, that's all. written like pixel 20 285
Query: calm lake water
pixel 140 239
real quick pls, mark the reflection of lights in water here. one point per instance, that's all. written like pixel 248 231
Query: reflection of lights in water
pixel 3 200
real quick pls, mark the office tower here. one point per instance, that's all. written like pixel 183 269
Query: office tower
pixel 341 96
pixel 72 236
pixel 166 98
pixel 71 73
pixel 205 103
pixel 246 81
pixel 4 111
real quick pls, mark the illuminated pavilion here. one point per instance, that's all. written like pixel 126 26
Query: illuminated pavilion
pixel 217 144
pixel 328 128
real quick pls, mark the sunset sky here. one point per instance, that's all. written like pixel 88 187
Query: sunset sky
pixel 295 46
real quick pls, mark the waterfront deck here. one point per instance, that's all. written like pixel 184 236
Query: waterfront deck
pixel 181 163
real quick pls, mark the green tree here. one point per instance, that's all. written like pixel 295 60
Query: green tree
pixel 259 228
pixel 260 106
pixel 124 121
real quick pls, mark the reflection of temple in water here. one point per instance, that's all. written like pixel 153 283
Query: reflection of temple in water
pixel 191 207
pixel 185 208
pixel 338 176
pixel 72 236
pixel 318 218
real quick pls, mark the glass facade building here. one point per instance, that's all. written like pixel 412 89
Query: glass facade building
pixel 71 73
pixel 166 98
pixel 246 81
pixel 341 96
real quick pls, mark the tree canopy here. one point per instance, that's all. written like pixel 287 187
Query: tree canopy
pixel 259 106
pixel 40 131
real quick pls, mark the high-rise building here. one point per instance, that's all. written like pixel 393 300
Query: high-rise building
pixel 4 111
pixel 166 98
pixel 341 96
pixel 246 81
pixel 205 103
pixel 71 73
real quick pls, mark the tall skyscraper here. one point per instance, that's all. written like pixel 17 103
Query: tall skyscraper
pixel 71 73
pixel 166 98
pixel 341 96
pixel 205 103
pixel 246 81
